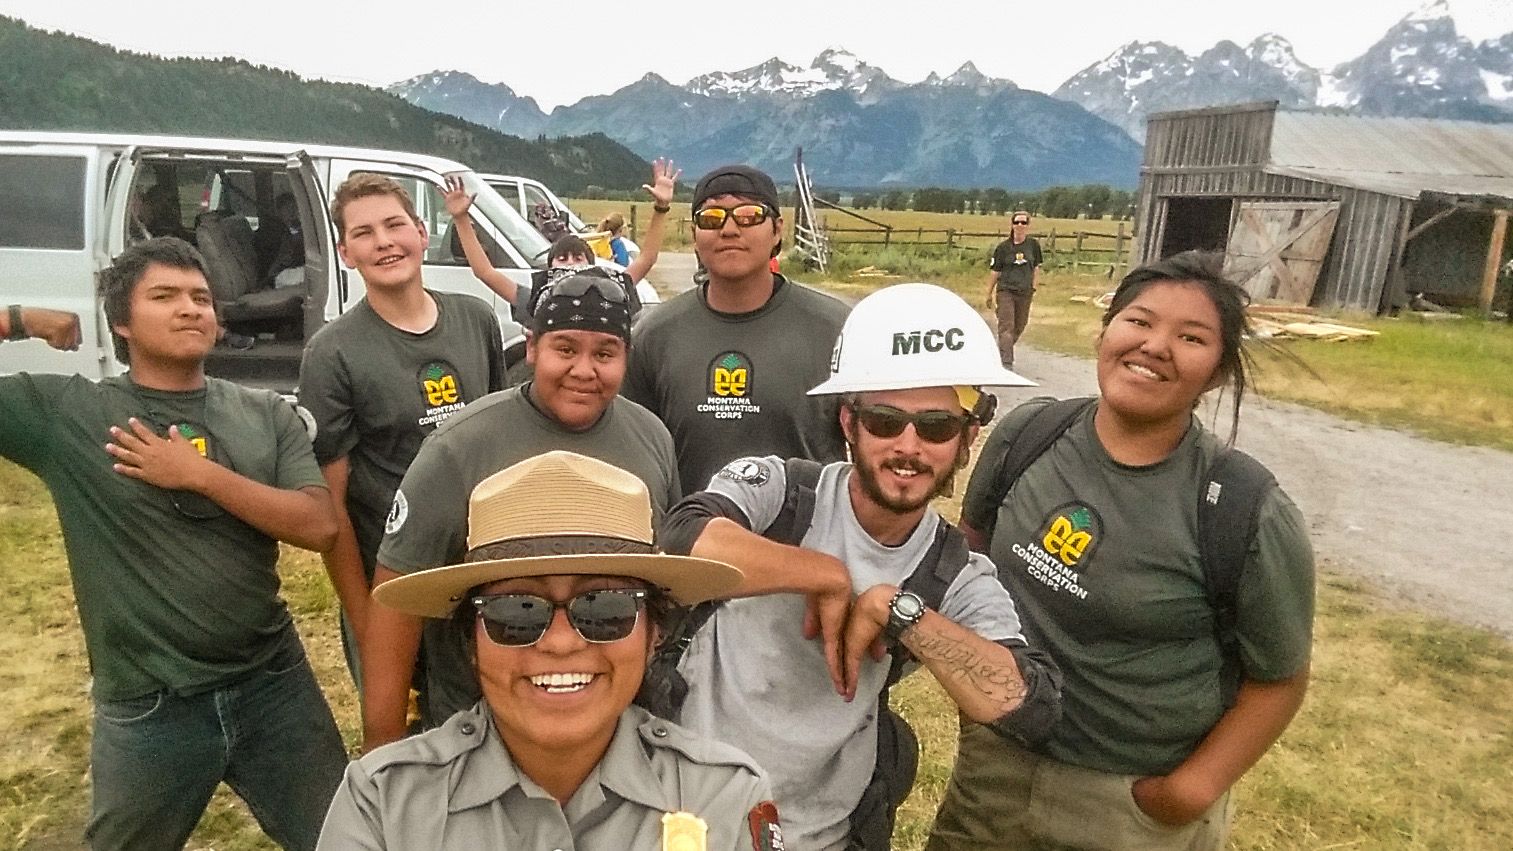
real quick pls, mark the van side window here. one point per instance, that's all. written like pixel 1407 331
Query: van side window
pixel 42 202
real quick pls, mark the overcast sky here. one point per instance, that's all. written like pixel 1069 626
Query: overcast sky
pixel 538 49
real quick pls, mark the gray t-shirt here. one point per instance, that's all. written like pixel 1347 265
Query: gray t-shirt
pixel 1103 560
pixel 376 391
pixel 757 683
pixel 174 593
pixel 730 385
pixel 428 522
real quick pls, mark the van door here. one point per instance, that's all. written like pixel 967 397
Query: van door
pixel 267 317
pixel 444 267
pixel 51 197
pixel 321 266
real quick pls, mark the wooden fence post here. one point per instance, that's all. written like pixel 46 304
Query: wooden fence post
pixel 633 237
pixel 888 236
pixel 1119 245
pixel 1053 244
pixel 951 237
pixel 1077 252
pixel 1494 261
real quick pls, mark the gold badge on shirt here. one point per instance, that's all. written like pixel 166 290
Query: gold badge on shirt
pixel 683 832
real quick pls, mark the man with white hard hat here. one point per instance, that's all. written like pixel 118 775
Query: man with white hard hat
pixel 853 553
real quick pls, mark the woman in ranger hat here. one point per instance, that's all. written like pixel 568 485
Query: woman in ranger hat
pixel 565 606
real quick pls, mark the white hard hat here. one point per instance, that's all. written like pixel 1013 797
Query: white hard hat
pixel 915 335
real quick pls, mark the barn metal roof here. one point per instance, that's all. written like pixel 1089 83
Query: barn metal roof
pixel 1404 157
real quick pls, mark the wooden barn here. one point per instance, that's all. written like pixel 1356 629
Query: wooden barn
pixel 1332 210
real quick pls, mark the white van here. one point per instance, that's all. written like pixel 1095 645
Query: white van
pixel 71 201
pixel 524 194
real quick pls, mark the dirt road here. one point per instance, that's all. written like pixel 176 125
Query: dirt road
pixel 1424 521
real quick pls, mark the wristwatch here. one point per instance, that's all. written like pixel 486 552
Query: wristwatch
pixel 903 612
pixel 665 209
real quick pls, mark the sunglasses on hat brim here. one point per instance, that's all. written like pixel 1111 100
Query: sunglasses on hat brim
pixel 579 285
pixel 745 215
pixel 599 617
pixel 886 421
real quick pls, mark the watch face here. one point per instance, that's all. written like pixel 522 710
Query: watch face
pixel 909 606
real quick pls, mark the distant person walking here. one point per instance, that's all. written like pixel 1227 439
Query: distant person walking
pixel 1012 283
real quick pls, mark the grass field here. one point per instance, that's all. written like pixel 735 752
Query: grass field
pixel 905 222
pixel 1404 742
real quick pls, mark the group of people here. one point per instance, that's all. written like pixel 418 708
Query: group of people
pixel 731 505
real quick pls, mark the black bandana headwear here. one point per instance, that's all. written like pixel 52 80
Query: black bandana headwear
pixel 583 302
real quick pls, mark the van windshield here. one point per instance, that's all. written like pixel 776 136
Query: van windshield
pixel 526 239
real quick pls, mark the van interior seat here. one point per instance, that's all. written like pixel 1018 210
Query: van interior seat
pixel 226 241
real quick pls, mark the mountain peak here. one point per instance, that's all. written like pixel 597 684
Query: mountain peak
pixel 1429 11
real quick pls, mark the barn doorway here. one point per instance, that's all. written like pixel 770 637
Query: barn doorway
pixel 1201 223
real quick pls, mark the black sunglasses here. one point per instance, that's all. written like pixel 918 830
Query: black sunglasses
pixel 745 215
pixel 600 617
pixel 1021 221
pixel 578 285
pixel 886 421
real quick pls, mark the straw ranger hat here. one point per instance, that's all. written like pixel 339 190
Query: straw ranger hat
pixel 558 513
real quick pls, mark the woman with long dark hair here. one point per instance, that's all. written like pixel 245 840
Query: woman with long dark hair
pixel 1174 686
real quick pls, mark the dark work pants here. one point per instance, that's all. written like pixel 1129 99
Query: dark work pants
pixel 1013 315
pixel 156 760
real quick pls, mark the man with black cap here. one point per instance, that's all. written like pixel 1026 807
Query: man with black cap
pixel 726 365
pixel 579 342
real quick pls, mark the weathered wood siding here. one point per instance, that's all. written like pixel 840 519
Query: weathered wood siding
pixel 1214 153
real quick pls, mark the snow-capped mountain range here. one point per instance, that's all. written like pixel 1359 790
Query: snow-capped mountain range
pixel 859 126
pixel 1421 67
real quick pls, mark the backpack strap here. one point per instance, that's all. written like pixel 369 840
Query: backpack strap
pixel 931 579
pixel 1229 514
pixel 797 513
pixel 663 689
pixel 1043 428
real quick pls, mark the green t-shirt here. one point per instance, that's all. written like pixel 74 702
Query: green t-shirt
pixel 167 601
pixel 734 385
pixel 1102 561
pixel 428 523
pixel 376 391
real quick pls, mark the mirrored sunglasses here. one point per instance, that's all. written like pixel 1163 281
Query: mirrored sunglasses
pixel 745 215
pixel 932 426
pixel 600 617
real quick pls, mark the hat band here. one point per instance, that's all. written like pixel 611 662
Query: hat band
pixel 557 545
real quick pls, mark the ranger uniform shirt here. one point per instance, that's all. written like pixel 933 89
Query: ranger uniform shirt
pixel 757 683
pixel 456 787
pixel 174 593
pixel 729 385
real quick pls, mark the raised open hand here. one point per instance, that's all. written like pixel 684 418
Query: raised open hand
pixel 457 199
pixel 664 181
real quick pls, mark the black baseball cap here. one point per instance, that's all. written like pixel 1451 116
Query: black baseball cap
pixel 736 179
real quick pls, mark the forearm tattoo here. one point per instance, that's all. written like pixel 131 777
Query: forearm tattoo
pixel 999 684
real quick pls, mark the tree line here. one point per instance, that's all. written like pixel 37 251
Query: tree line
pixel 55 81
pixel 1095 201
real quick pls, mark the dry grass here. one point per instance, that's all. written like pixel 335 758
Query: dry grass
pixel 591 211
pixel 1403 743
